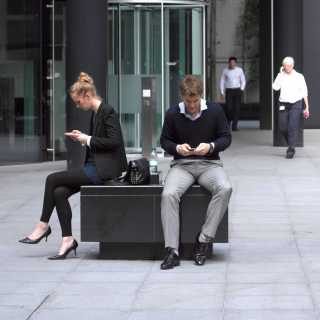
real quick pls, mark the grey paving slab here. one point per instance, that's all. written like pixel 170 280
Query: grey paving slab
pixel 115 277
pixel 8 287
pixel 316 298
pixel 14 313
pixel 313 277
pixel 115 265
pixel 32 288
pixel 307 235
pixel 36 276
pixel 236 235
pixel 180 296
pixel 312 265
pixel 267 289
pixel 120 302
pixel 271 277
pixel 270 315
pixel 258 207
pixel 30 301
pixel 267 267
pixel 269 302
pixel 97 289
pixel 241 257
pixel 177 315
pixel 283 227
pixel 215 276
pixel 83 314
pixel 265 218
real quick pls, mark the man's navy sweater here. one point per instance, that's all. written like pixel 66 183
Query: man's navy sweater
pixel 211 126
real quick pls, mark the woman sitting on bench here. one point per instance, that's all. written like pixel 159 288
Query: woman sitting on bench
pixel 105 159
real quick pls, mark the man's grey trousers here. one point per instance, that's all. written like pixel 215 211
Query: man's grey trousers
pixel 182 174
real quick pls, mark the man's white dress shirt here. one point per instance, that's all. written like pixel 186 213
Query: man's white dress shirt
pixel 292 86
pixel 231 79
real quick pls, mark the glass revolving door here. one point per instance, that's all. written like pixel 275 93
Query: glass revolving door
pixel 152 46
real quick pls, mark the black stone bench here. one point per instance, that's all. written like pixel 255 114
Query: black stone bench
pixel 126 220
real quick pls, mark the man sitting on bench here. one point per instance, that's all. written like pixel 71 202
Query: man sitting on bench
pixel 194 132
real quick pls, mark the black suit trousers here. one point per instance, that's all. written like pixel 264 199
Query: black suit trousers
pixel 233 102
pixel 290 122
pixel 59 187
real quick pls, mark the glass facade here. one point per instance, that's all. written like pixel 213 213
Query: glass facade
pixel 32 86
pixel 155 44
pixel 150 43
pixel 20 114
pixel 147 42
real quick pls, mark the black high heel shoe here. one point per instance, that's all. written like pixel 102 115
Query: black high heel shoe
pixel 27 240
pixel 64 255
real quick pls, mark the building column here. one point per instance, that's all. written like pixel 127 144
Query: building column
pixel 265 65
pixel 310 58
pixel 86 51
pixel 287 42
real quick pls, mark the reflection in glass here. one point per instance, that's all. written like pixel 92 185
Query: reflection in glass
pixel 183 48
pixel 236 33
pixel 19 81
pixel 137 44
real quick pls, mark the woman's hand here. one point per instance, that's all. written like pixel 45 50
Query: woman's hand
pixel 72 134
pixel 77 135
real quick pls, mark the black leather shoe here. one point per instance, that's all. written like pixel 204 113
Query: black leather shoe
pixel 74 247
pixel 171 260
pixel 290 153
pixel 200 251
pixel 27 240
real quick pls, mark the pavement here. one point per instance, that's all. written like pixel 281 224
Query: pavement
pixel 269 270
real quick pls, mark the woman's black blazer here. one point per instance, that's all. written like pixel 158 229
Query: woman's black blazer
pixel 107 144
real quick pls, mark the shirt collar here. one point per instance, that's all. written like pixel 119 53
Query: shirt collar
pixel 203 106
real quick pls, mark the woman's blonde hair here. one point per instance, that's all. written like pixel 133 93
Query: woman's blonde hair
pixel 191 86
pixel 83 85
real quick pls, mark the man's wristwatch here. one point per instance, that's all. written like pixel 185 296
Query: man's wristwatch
pixel 211 149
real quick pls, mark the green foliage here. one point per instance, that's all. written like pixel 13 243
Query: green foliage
pixel 249 30
pixel 250 19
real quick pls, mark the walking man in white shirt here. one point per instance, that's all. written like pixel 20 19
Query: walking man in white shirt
pixel 293 91
pixel 232 84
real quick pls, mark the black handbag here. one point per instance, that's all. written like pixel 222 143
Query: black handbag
pixel 138 172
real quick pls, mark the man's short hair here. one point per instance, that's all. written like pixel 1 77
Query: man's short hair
pixel 288 60
pixel 233 58
pixel 191 86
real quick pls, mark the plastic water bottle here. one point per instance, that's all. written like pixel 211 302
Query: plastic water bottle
pixel 153 165
pixel 153 162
